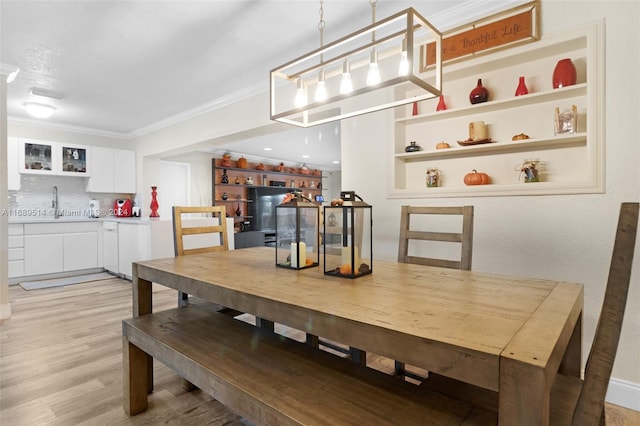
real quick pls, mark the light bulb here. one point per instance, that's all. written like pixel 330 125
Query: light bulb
pixel 321 88
pixel 373 76
pixel 403 68
pixel 346 85
pixel 301 95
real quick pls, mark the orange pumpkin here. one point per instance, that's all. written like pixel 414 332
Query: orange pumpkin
pixel 443 145
pixel 345 269
pixel 242 163
pixel 475 178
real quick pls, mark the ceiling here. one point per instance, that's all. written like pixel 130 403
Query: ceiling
pixel 125 68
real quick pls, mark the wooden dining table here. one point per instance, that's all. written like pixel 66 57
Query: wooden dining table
pixel 510 335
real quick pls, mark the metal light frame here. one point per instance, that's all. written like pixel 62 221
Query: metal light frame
pixel 388 38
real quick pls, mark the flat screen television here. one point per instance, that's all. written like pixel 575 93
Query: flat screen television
pixel 262 207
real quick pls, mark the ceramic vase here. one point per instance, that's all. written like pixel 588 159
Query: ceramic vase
pixel 415 109
pixel 225 176
pixel 441 105
pixel 479 94
pixel 154 202
pixel 522 87
pixel 564 74
pixel 238 211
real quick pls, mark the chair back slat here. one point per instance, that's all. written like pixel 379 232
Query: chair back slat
pixel 590 406
pixel 464 237
pixel 179 231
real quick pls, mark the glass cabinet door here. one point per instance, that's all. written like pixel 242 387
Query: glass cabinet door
pixel 74 160
pixel 36 157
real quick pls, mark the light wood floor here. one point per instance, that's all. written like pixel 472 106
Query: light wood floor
pixel 61 363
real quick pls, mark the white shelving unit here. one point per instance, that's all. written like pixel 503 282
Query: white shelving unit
pixel 570 163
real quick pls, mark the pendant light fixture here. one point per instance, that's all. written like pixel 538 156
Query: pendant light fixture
pixel 347 73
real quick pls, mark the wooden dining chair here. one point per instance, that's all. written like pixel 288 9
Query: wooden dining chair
pixel 581 402
pixel 211 238
pixel 463 237
pixel 574 401
pixel 211 234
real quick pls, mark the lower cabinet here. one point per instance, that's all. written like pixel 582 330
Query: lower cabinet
pixel 80 251
pixel 43 254
pixel 60 247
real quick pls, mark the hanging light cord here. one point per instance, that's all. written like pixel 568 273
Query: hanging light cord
pixel 373 4
pixel 321 26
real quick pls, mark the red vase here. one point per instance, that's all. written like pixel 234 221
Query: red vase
pixel 479 94
pixel 522 88
pixel 441 105
pixel 154 202
pixel 415 108
pixel 564 74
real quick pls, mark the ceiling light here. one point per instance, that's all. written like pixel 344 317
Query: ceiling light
pixel 268 149
pixel 305 156
pixel 380 56
pixel 39 110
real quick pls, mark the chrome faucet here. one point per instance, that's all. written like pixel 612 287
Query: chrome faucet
pixel 54 203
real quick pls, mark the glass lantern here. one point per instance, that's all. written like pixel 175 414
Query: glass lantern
pixel 297 232
pixel 348 237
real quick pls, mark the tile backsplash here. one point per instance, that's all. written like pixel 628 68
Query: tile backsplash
pixel 36 196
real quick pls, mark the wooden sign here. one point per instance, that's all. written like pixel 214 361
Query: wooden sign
pixel 484 36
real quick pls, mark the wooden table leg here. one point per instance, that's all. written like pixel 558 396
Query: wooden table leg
pixel 135 380
pixel 572 360
pixel 143 305
pixel 524 394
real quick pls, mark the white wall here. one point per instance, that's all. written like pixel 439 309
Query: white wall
pixel 555 237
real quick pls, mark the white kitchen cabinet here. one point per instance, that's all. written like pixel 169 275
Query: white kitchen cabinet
pixel 124 167
pixel 80 251
pixel 60 247
pixel 16 250
pixel 13 174
pixel 53 158
pixel 110 246
pixel 43 254
pixel 134 244
pixel 112 171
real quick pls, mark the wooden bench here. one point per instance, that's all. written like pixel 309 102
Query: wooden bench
pixel 270 379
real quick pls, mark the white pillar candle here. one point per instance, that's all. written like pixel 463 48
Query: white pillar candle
pixel 301 250
pixel 477 130
pixel 346 256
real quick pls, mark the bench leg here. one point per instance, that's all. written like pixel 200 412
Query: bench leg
pixel 313 340
pixel 136 367
pixel 358 356
pixel 265 324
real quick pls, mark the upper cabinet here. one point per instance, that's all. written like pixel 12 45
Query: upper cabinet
pixel 53 158
pixel 113 171
pixel 567 162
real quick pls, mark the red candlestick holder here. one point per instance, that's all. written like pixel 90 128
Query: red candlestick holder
pixel 154 202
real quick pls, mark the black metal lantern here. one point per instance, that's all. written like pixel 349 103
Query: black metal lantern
pixel 348 237
pixel 297 232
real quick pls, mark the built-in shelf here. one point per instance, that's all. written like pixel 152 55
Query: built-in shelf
pixel 570 163
pixel 497 146
pixel 497 105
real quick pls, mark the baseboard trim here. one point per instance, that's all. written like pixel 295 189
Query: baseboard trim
pixel 5 311
pixel 623 393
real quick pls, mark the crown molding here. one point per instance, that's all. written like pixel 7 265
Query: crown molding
pixel 67 128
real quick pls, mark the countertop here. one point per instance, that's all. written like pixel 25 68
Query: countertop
pixel 67 219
